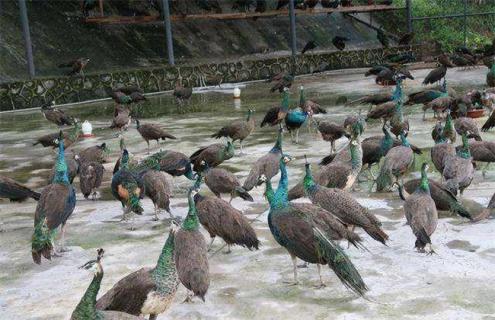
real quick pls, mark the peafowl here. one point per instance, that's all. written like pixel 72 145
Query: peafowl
pixel 55 206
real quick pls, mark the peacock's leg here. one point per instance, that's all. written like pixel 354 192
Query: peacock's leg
pixel 242 151
pixel 232 196
pixel 188 297
pixel 152 317
pixel 297 135
pixel 291 136
pixel 147 142
pixel 424 114
pixel 211 244
pixel 321 284
pixel 294 266
pixel 157 210
pixel 62 240
pixel 485 170
pixel 228 249
pixel 332 145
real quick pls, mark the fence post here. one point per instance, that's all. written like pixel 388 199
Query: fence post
pixel 409 16
pixel 168 32
pixel 465 22
pixel 292 15
pixel 27 37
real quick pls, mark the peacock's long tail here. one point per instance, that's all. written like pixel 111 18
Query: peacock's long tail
pixel 42 242
pixel 422 238
pixel 135 204
pixel 340 263
pixel 384 179
pixel 252 178
pixel 457 208
pixel 376 233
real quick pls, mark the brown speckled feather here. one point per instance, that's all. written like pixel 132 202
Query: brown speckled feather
pixel 119 297
pixel 267 165
pixel 221 181
pixel 220 219
pixel 90 176
pixel 51 206
pixel 157 188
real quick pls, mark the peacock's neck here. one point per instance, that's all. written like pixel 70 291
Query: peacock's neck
pixel 269 193
pixel 356 156
pixel 424 185
pixel 278 144
pixel 282 194
pixel 302 98
pixel 191 222
pixel 61 175
pixel 285 102
pixel 86 309
pixel 403 139
pixel 309 184
pixel 165 266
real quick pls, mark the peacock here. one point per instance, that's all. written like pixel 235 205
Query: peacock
pixel 191 252
pixel 16 192
pixel 341 204
pixel 237 130
pixel 213 155
pixel 440 72
pixel 294 120
pixel 276 115
pixel 127 187
pixel 459 170
pixel 51 139
pixel 158 189
pixel 396 164
pixel 147 290
pixel 55 115
pixel 305 235
pixel 56 204
pixel 222 181
pixel 442 150
pixel 86 308
pixel 90 178
pixel 490 76
pixel 219 218
pixel 267 165
pixel 421 213
pixel 150 131
pixel 96 153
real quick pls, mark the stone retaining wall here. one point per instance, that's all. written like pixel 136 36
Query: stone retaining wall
pixel 33 93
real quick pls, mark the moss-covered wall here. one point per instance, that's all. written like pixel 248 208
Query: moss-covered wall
pixel 33 93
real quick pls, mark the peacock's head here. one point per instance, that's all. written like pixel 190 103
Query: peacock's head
pixel 174 227
pixel 425 167
pixel 94 265
pixel 262 179
pixel 286 158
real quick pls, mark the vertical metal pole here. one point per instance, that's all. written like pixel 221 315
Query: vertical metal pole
pixel 292 15
pixel 100 4
pixel 409 16
pixel 0 8
pixel 465 22
pixel 168 32
pixel 27 37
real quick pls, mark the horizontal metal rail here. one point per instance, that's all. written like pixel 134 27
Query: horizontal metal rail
pixel 458 15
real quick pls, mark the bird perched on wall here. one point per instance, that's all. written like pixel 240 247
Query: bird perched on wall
pixel 308 233
pixel 70 137
pixel 438 73
pixel 310 3
pixel 421 213
pixel 77 66
pixel 212 155
pixel 219 218
pixel 191 253
pixel 276 115
pixel 267 165
pixel 222 181
pixel 237 130
pixel 87 6
pixel 383 38
pixel 127 96
pixel 400 58
pixel 209 5
pixel 339 42
pixel 56 204
pixel 281 4
pixel 147 290
pixel 150 131
pixel 121 118
pixel 87 307
pixel 127 187
pixel 90 177
pixel 14 191
pixel 310 45
pixel 182 94
pixel 55 115
pixel 342 205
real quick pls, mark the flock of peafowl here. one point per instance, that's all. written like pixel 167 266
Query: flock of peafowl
pixel 309 231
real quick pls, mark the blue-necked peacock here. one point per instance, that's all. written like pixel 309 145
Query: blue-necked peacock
pixel 56 204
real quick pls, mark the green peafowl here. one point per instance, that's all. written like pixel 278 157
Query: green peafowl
pixel 276 115
pixel 213 155
pixel 56 204
pixel 222 181
pixel 421 213
pixel 191 252
pixel 305 235
pixel 86 308
pixel 459 170
pixel 70 137
pixel 147 290
pixel 14 191
pixel 396 164
pixel 237 130
pixel 442 150
pixel 341 204
pixel 127 187
pixel 267 165
pixel 55 115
